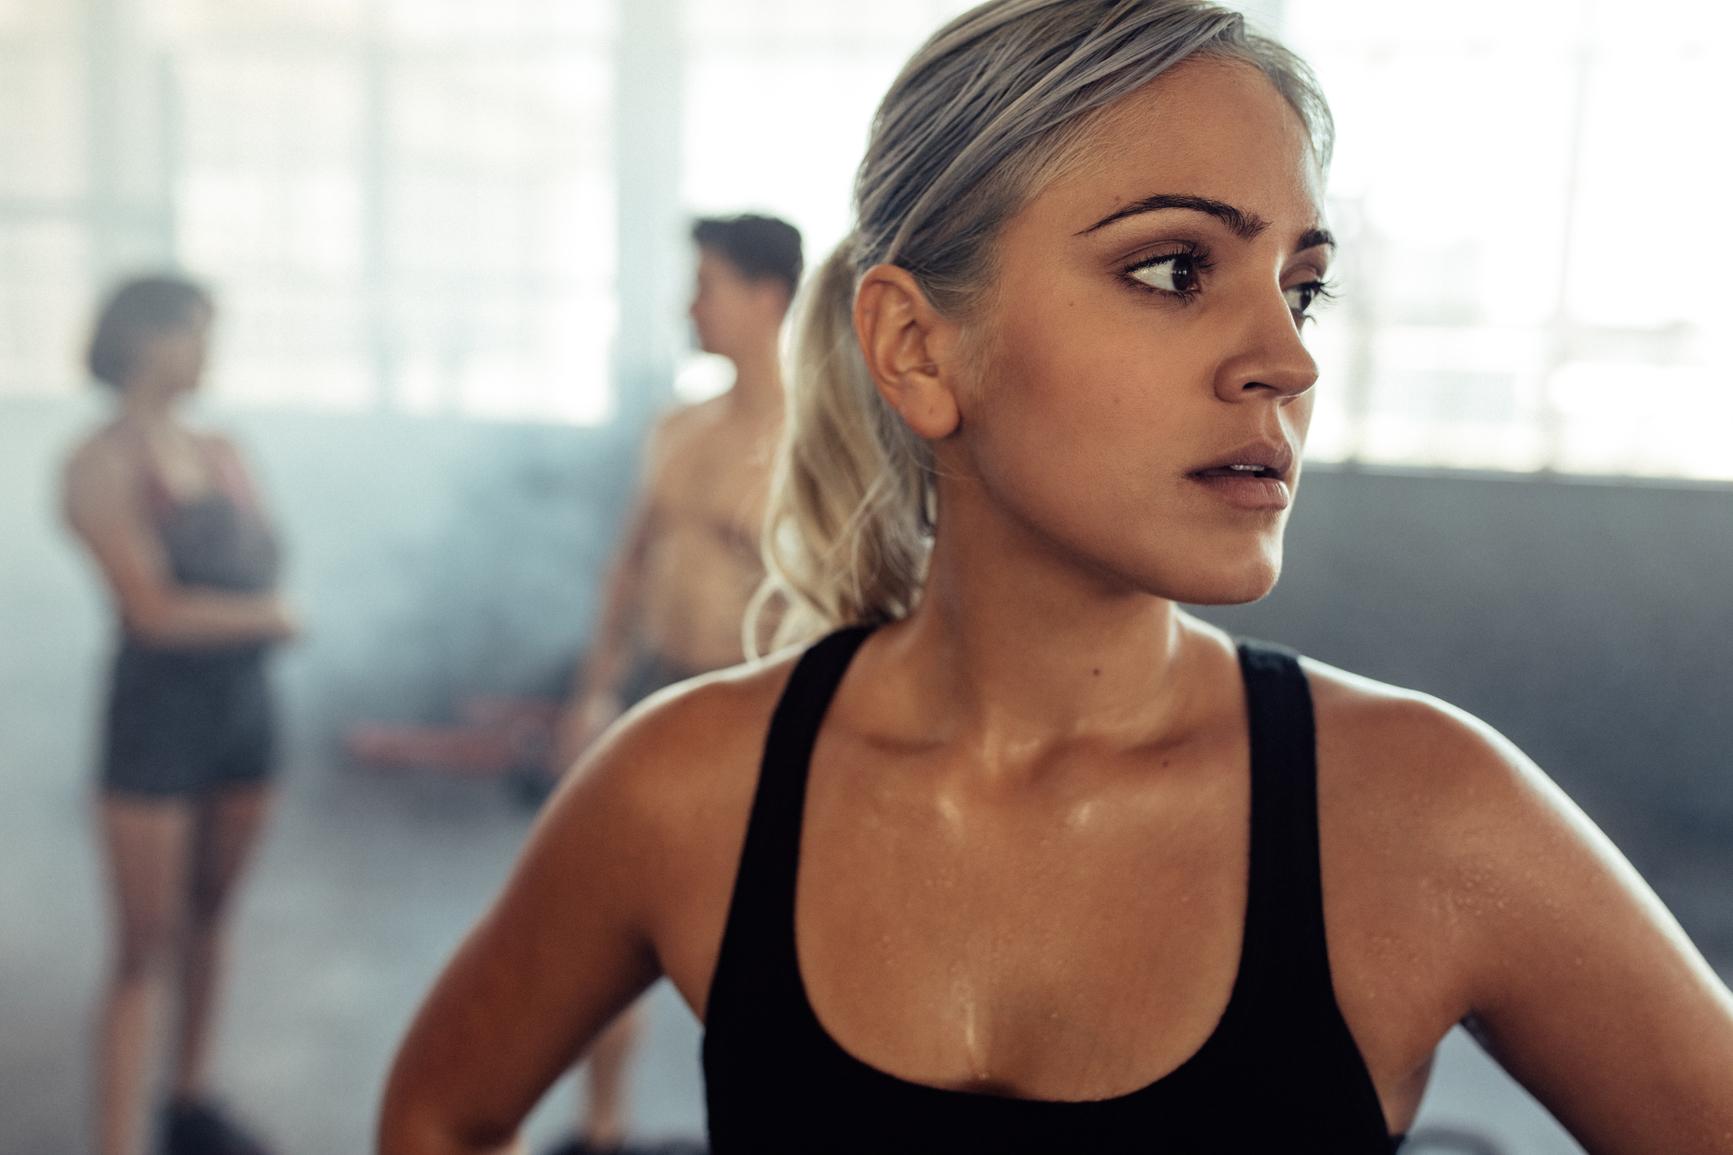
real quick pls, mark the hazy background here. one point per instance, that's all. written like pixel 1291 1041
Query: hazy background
pixel 448 242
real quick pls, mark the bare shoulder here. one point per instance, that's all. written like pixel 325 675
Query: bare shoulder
pixel 1415 797
pixel 680 425
pixel 676 436
pixel 664 796
pixel 690 743
pixel 1518 914
pixel 1425 767
pixel 1424 815
pixel 1374 709
pixel 1450 806
pixel 97 470
pixel 97 452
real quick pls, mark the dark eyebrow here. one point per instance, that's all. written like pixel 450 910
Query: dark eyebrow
pixel 1244 225
pixel 1247 226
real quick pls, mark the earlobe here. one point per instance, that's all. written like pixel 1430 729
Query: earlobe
pixel 904 339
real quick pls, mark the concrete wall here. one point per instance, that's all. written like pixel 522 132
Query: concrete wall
pixel 1590 621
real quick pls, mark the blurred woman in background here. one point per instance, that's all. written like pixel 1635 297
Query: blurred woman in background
pixel 176 527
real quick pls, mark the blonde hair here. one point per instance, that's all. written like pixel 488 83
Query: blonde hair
pixel 987 111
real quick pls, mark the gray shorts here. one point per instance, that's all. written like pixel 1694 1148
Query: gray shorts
pixel 185 722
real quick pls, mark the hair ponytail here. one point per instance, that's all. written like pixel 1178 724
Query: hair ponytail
pixel 848 532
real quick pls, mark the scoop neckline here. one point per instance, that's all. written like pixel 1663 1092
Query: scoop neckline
pixel 1238 993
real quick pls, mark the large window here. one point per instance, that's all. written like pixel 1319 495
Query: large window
pixel 417 204
pixel 45 211
pixel 404 204
pixel 1527 194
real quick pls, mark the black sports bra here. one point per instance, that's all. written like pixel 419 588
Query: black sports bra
pixel 1280 1074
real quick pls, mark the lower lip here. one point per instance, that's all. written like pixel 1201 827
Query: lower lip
pixel 1255 493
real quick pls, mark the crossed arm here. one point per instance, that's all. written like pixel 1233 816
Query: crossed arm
pixel 102 505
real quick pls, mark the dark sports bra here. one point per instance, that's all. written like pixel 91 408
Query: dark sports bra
pixel 220 539
pixel 1280 1074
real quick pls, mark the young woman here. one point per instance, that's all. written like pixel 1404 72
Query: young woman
pixel 1018 856
pixel 176 528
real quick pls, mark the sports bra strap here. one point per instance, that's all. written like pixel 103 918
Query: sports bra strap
pixel 1285 945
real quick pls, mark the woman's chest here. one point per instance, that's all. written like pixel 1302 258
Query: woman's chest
pixel 1059 960
pixel 1079 946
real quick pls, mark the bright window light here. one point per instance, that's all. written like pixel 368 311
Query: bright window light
pixel 1530 285
pixel 412 204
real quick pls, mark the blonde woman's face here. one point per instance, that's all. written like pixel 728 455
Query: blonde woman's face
pixel 1142 392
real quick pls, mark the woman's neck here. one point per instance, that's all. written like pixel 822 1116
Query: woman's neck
pixel 1018 648
pixel 147 408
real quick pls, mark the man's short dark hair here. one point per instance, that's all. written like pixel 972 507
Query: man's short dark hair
pixel 760 247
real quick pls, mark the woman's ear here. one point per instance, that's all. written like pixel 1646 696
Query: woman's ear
pixel 908 346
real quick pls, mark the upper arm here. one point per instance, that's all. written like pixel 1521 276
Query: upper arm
pixel 104 507
pixel 564 948
pixel 1581 984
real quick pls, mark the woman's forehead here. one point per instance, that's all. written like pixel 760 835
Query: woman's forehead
pixel 1207 128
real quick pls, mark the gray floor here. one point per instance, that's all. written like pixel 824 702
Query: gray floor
pixel 364 886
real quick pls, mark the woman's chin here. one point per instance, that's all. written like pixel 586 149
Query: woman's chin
pixel 1226 586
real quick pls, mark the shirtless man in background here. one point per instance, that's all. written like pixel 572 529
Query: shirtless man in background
pixel 689 563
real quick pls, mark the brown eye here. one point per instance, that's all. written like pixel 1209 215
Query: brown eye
pixel 1173 273
pixel 1301 298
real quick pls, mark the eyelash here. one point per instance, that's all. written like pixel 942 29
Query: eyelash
pixel 1195 253
pixel 1198 256
pixel 1323 292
